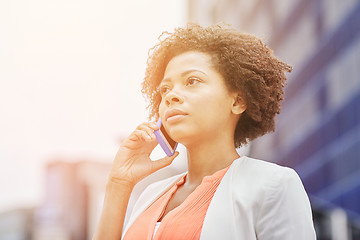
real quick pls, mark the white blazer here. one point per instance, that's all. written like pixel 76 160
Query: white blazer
pixel 255 200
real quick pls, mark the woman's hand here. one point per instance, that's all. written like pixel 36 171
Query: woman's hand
pixel 132 161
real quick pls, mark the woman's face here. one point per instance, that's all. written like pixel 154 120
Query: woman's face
pixel 195 105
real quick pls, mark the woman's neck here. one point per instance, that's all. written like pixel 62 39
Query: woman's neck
pixel 208 157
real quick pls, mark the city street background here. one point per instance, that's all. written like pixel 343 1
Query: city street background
pixel 70 90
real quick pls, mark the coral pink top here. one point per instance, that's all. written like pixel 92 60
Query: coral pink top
pixel 184 221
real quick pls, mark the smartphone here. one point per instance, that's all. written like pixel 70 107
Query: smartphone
pixel 165 141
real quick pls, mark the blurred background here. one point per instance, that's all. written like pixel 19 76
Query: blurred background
pixel 70 75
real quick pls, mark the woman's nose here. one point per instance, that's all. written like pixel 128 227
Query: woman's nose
pixel 172 98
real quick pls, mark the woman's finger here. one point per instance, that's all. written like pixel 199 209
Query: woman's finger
pixel 133 137
pixel 148 129
pixel 163 162
pixel 141 134
pixel 151 125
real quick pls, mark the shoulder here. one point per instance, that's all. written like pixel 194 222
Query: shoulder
pixel 264 183
pixel 259 165
pixel 262 172
pixel 277 197
pixel 284 202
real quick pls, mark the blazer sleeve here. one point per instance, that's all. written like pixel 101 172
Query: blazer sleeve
pixel 285 212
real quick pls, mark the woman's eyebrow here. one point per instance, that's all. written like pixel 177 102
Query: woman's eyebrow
pixel 184 74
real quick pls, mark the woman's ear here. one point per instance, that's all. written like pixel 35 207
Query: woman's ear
pixel 239 105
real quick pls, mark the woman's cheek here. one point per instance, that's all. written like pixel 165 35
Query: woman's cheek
pixel 161 111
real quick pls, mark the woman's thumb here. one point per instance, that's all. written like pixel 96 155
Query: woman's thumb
pixel 163 162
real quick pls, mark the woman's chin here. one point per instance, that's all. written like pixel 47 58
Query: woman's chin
pixel 184 135
pixel 186 140
pixel 179 136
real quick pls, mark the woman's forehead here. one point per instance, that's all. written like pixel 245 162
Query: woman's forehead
pixel 188 62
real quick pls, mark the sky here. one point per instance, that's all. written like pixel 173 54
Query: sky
pixel 70 83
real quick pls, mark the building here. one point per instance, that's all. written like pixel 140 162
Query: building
pixel 318 130
pixel 74 195
pixel 17 224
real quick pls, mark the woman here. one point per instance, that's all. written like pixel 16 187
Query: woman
pixel 214 89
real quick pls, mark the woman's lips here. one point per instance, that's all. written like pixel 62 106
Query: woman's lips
pixel 174 115
pixel 175 118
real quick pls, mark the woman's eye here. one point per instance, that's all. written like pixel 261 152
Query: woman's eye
pixel 164 89
pixel 192 81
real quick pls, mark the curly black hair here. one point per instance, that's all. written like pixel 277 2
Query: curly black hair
pixel 247 65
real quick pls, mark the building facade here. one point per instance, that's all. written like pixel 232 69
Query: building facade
pixel 318 130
